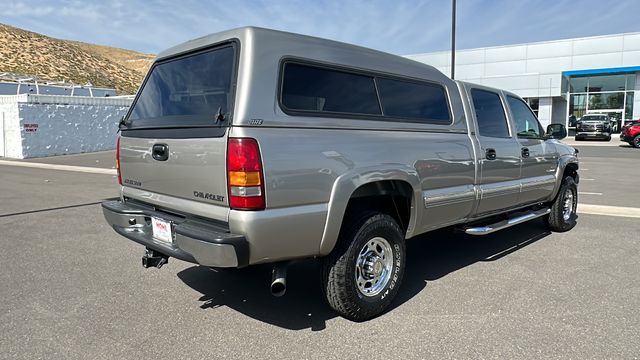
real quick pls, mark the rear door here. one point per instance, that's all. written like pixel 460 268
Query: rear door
pixel 539 157
pixel 499 155
pixel 173 143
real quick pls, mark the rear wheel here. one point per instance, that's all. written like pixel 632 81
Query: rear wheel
pixel 362 274
pixel 563 210
pixel 636 141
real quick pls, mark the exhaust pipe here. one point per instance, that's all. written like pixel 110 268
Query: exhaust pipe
pixel 279 279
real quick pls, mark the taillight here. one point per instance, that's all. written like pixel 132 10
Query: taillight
pixel 244 174
pixel 118 161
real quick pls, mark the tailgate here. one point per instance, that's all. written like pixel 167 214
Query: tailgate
pixel 194 168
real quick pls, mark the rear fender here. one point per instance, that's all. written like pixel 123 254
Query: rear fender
pixel 347 183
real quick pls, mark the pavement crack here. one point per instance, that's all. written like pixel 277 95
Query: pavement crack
pixel 53 208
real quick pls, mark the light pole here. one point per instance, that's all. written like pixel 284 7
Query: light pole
pixel 453 38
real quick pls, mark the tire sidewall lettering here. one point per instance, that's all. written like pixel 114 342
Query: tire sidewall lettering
pixel 396 269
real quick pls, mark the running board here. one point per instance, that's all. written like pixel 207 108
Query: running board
pixel 488 229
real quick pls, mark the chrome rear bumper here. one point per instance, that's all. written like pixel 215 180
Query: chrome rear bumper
pixel 194 240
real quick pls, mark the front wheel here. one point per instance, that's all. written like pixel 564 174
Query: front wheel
pixel 636 141
pixel 362 274
pixel 563 209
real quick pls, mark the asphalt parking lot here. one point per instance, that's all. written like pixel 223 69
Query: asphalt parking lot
pixel 72 288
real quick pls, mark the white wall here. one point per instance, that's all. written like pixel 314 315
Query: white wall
pixel 10 136
pixel 46 125
pixel 544 111
pixel 67 129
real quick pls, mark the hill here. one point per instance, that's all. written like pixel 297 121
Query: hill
pixel 29 53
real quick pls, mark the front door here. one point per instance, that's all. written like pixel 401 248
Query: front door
pixel 499 180
pixel 539 157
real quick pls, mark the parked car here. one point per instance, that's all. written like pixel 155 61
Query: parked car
pixel 594 126
pixel 256 146
pixel 631 133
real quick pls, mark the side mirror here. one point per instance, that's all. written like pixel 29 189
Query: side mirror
pixel 556 131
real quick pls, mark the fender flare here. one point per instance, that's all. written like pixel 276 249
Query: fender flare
pixel 563 161
pixel 347 183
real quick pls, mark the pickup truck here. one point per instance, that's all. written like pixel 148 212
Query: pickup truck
pixel 594 126
pixel 256 146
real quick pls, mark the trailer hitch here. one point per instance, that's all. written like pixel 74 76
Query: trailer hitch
pixel 153 258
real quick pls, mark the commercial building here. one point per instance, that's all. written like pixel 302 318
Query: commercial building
pixel 559 79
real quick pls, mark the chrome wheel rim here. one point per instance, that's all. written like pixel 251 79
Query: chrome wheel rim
pixel 637 141
pixel 374 266
pixel 567 205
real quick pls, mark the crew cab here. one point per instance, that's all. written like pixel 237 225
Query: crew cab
pixel 255 146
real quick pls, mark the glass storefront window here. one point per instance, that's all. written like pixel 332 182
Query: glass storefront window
pixel 607 83
pixel 577 106
pixel 606 101
pixel 628 108
pixel 610 94
pixel 578 84
pixel 631 81
pixel 599 83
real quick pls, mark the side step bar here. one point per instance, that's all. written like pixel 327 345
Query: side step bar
pixel 488 229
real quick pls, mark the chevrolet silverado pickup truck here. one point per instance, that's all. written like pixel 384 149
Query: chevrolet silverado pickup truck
pixel 256 146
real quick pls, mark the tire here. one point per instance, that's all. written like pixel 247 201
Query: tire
pixel 608 138
pixel 345 272
pixel 563 218
pixel 636 141
pixel 578 138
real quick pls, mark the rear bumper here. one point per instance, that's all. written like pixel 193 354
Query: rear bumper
pixel 195 240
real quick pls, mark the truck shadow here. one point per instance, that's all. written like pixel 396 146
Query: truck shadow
pixel 430 258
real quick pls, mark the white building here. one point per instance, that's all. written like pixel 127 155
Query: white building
pixel 561 78
pixel 46 125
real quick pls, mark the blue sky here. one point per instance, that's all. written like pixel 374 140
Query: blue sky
pixel 400 27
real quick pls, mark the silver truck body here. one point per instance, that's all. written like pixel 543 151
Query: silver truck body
pixel 314 165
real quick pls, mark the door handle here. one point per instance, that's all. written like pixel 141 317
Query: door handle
pixel 491 154
pixel 525 152
pixel 160 152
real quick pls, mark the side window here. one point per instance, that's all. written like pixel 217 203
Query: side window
pixel 309 88
pixel 527 126
pixel 489 113
pixel 414 100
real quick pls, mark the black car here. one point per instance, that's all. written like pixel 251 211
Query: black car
pixel 594 127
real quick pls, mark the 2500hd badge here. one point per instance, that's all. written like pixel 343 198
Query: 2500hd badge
pixel 208 196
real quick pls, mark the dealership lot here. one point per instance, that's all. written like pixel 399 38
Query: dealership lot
pixel 73 288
